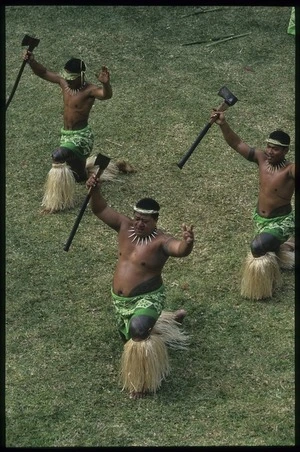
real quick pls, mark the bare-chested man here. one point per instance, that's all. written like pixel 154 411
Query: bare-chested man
pixel 77 137
pixel 138 291
pixel 273 216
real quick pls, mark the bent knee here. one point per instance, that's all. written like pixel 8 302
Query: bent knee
pixel 61 155
pixel 263 243
pixel 140 327
pixel 76 164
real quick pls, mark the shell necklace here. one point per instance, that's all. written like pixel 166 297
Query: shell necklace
pixel 277 167
pixel 141 240
pixel 73 92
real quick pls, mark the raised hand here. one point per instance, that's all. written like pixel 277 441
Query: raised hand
pixel 217 116
pixel 104 76
pixel 92 182
pixel 187 233
pixel 28 56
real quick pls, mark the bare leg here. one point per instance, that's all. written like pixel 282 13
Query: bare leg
pixel 289 245
pixel 125 167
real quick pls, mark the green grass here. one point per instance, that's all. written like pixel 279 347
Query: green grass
pixel 235 384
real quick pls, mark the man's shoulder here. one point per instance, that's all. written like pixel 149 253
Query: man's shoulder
pixel 164 235
pixel 125 221
pixel 260 155
pixel 260 152
pixel 90 86
pixel 89 89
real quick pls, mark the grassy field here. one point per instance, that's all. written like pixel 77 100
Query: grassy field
pixel 235 384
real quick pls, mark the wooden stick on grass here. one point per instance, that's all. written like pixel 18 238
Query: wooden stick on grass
pixel 207 40
pixel 227 39
pixel 199 11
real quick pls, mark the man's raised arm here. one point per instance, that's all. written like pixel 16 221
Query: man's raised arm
pixel 100 207
pixel 180 248
pixel 40 70
pixel 232 139
pixel 105 91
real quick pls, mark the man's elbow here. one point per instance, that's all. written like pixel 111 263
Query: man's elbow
pixel 96 210
pixel 186 251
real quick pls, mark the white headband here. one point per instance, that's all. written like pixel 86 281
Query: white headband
pixel 144 211
pixel 276 142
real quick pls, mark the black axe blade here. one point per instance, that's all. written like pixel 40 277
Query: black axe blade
pixel 102 161
pixel 227 95
pixel 31 42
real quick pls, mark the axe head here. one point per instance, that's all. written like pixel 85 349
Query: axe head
pixel 228 97
pixel 30 42
pixel 102 161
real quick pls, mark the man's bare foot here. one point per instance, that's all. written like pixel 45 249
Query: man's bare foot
pixel 289 245
pixel 47 211
pixel 125 167
pixel 137 395
pixel 180 315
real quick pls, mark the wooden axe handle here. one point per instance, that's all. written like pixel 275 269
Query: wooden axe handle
pixel 203 132
pixel 105 161
pixel 31 46
pixel 221 107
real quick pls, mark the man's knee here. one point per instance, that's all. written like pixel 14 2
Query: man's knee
pixel 61 155
pixel 76 164
pixel 264 243
pixel 140 327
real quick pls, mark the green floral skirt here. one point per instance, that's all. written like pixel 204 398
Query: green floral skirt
pixel 151 304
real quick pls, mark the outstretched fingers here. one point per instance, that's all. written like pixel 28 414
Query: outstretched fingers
pixel 188 233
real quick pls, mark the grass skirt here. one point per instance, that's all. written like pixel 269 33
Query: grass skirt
pixel 60 184
pixel 59 188
pixel 145 364
pixel 261 275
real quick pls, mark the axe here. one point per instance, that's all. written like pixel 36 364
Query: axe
pixel 229 100
pixel 102 161
pixel 31 43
